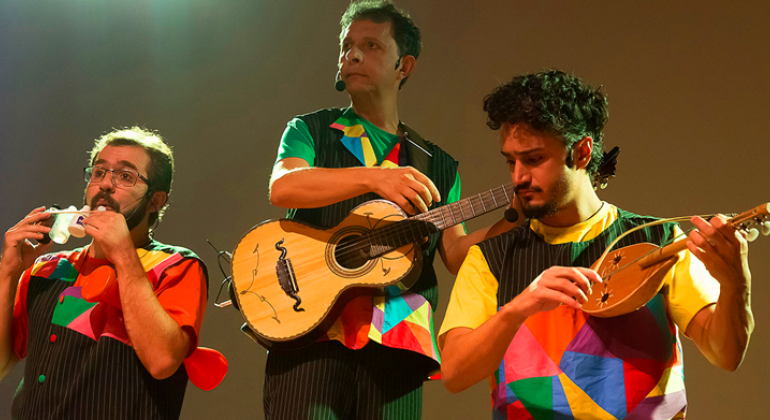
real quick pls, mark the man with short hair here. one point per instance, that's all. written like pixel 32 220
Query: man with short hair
pixel 515 312
pixel 371 362
pixel 120 356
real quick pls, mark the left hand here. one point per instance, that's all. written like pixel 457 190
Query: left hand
pixel 110 234
pixel 722 249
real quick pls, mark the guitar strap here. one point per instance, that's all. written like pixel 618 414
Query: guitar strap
pixel 413 150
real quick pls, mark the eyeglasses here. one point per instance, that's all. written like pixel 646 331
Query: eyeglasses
pixel 125 178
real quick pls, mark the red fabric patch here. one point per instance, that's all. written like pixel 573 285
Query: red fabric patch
pixel 402 335
pixel 518 412
pixel 556 329
pixel 356 320
pixel 525 358
pixel 640 376
pixel 393 155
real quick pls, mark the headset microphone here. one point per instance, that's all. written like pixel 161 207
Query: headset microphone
pixel 339 84
pixel 511 215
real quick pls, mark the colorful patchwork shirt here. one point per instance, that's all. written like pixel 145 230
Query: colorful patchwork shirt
pixel 79 359
pixel 563 363
pixel 401 319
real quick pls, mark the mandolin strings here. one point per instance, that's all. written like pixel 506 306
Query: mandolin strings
pixel 653 223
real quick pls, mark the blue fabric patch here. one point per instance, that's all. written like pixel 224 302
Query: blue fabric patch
pixel 601 378
pixel 64 271
pixel 561 408
pixel 396 310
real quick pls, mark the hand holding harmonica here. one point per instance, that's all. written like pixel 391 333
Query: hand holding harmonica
pixel 64 223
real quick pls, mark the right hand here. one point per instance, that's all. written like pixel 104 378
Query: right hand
pixel 407 187
pixel 556 286
pixel 18 252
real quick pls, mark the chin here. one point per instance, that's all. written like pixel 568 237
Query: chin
pixel 354 88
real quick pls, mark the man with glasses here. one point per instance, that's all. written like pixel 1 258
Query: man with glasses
pixel 94 359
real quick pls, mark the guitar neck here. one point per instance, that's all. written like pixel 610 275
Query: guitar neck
pixel 415 228
pixel 452 214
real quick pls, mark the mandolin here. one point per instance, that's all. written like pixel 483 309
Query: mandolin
pixel 633 275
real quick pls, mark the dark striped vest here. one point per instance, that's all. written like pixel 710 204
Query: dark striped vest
pixel 567 364
pixel 331 153
pixel 69 375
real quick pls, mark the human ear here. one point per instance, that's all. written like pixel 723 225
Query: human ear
pixel 159 199
pixel 581 152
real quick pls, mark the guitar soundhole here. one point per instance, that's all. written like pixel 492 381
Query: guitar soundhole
pixel 351 253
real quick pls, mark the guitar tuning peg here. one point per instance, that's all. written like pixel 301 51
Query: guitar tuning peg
pixel 765 227
pixel 752 234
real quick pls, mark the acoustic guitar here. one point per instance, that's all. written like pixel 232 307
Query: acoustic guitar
pixel 633 275
pixel 287 275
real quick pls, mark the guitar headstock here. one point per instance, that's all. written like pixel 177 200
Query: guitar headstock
pixel 753 221
pixel 606 169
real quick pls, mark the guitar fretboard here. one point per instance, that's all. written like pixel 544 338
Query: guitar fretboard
pixel 468 208
pixel 415 228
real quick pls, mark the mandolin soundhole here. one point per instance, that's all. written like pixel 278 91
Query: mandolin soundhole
pixel 351 253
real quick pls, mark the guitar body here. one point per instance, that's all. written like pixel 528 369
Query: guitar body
pixel 627 285
pixel 287 275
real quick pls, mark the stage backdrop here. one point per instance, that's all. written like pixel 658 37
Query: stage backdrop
pixel 687 83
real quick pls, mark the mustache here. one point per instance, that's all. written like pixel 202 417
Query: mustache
pixel 527 186
pixel 101 195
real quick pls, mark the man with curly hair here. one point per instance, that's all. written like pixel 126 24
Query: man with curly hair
pixel 515 312
pixel 371 362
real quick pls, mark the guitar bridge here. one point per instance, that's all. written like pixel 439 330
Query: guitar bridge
pixel 286 278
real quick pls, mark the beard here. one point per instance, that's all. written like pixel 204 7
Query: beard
pixel 558 191
pixel 133 218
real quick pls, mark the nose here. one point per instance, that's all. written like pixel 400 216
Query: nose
pixel 520 175
pixel 108 182
pixel 354 55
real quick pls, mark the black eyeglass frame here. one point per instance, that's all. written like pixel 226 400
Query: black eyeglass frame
pixel 88 171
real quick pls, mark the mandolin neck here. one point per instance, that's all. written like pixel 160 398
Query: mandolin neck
pixel 757 214
pixel 664 253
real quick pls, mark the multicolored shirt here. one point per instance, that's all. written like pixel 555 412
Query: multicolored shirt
pixel 568 365
pixel 79 359
pixel 400 320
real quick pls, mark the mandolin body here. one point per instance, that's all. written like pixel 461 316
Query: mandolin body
pixel 628 284
pixel 288 275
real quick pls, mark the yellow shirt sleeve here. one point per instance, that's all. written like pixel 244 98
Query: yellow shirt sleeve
pixel 474 295
pixel 689 288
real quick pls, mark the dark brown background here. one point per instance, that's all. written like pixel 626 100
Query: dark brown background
pixel 687 84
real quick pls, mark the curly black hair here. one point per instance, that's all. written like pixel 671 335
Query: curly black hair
pixel 405 33
pixel 553 102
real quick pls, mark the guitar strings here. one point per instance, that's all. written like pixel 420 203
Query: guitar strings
pixel 500 195
pixel 387 238
pixel 365 241
pixel 466 207
pixel 435 217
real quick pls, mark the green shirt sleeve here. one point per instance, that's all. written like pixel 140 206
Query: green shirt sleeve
pixel 296 142
pixel 454 195
pixel 454 192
